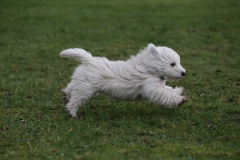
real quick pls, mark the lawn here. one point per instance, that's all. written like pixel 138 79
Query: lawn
pixel 33 121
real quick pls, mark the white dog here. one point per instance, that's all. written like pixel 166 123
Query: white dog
pixel 142 77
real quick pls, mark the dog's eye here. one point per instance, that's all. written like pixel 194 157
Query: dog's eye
pixel 173 64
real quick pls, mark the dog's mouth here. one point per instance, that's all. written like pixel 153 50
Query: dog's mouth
pixel 174 78
pixel 169 78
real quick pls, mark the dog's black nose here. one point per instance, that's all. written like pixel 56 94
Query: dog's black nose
pixel 183 73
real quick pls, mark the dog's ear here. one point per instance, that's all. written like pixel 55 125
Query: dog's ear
pixel 152 49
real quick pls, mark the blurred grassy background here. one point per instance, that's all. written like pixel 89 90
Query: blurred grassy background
pixel 33 121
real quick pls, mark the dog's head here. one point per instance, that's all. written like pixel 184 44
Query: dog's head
pixel 164 63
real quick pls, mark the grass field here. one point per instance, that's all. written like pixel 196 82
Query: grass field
pixel 33 121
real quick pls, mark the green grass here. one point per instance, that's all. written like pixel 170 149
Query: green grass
pixel 33 121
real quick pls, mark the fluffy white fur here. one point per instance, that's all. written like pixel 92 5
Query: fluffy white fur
pixel 141 77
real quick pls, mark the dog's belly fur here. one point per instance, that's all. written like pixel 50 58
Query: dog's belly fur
pixel 114 83
pixel 121 91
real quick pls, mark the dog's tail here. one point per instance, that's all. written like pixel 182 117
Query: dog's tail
pixel 78 54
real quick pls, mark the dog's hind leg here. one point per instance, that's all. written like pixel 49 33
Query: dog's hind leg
pixel 78 97
pixel 66 96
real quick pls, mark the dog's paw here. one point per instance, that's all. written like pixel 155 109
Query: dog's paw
pixel 65 98
pixel 183 100
pixel 179 90
pixel 73 112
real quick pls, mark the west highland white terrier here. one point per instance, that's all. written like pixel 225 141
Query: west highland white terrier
pixel 141 77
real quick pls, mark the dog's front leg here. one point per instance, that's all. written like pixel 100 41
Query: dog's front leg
pixel 162 95
pixel 178 90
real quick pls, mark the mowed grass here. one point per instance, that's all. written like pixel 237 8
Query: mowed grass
pixel 33 121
